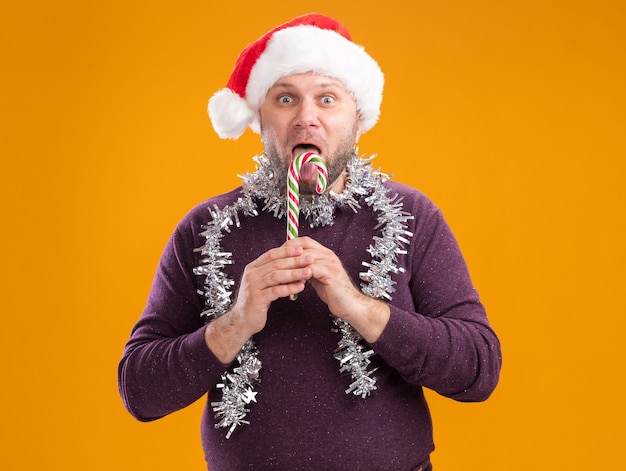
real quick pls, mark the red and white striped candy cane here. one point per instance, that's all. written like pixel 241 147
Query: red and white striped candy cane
pixel 293 190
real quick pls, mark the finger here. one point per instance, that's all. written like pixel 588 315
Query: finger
pixel 284 290
pixel 305 242
pixel 276 254
pixel 277 272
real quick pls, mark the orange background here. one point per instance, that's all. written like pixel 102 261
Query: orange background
pixel 510 115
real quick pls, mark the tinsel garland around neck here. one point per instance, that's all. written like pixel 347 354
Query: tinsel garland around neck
pixel 364 184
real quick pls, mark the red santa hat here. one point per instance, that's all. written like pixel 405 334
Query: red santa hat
pixel 308 43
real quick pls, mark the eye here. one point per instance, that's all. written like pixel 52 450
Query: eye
pixel 285 99
pixel 328 100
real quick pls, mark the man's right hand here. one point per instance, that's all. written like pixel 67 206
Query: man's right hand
pixel 277 273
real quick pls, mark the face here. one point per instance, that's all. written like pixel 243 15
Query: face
pixel 309 112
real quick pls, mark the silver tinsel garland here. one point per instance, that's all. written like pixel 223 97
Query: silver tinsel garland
pixel 363 184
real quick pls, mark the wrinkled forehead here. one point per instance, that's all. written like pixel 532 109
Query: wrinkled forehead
pixel 309 81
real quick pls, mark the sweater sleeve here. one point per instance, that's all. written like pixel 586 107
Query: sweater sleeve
pixel 445 342
pixel 166 364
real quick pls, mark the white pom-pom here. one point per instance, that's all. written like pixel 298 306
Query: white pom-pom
pixel 229 113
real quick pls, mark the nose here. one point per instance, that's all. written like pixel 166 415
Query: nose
pixel 306 114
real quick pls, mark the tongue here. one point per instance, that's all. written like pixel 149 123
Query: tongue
pixel 307 172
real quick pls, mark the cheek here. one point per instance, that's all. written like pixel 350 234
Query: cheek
pixel 273 126
pixel 345 132
pixel 344 123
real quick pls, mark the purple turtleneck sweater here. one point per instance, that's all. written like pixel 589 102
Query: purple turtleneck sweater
pixel 438 337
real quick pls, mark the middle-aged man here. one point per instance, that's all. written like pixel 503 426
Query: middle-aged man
pixel 313 351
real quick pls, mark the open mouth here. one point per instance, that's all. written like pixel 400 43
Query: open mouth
pixel 302 148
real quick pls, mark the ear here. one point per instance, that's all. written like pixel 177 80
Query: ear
pixel 359 125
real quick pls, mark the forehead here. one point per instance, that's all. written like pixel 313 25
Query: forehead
pixel 309 80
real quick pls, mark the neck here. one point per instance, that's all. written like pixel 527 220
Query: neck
pixel 339 184
pixel 336 186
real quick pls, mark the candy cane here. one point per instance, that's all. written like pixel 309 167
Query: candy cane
pixel 293 190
